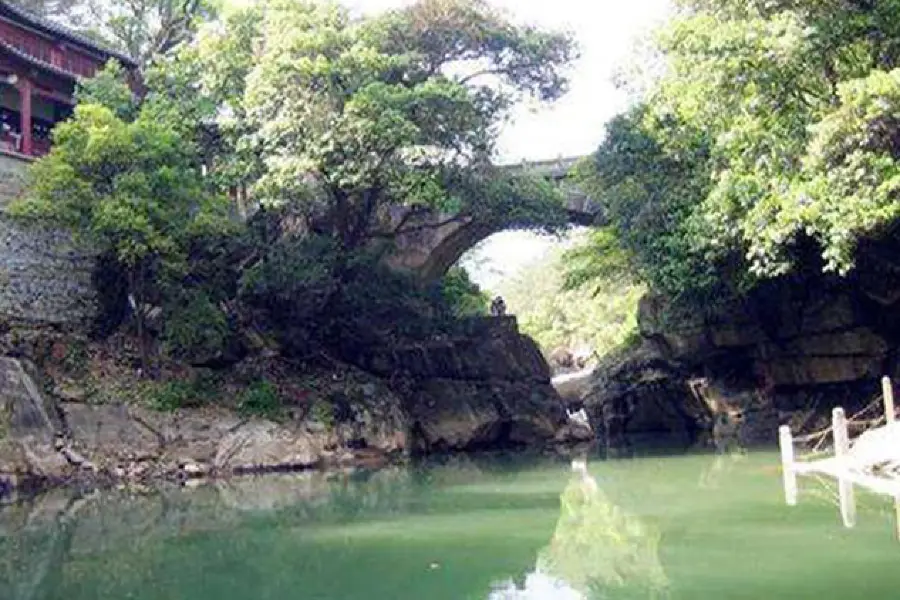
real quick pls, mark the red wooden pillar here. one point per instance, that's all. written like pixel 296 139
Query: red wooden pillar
pixel 25 92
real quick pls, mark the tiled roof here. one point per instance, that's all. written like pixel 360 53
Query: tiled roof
pixel 28 18
pixel 37 62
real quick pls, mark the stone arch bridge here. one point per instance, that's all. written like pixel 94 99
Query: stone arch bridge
pixel 435 242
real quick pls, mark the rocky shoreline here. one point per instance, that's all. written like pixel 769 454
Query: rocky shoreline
pixel 787 353
pixel 117 445
pixel 490 390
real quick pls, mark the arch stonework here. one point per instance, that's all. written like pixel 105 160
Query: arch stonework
pixel 434 241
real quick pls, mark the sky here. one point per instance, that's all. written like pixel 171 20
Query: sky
pixel 605 31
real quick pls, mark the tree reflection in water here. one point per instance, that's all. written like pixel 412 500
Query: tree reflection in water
pixel 597 551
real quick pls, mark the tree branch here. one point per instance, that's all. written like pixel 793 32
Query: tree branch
pixel 398 231
pixel 481 73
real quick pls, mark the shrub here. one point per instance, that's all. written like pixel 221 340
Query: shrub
pixel 203 388
pixel 195 328
pixel 261 399
pixel 322 412
pixel 462 296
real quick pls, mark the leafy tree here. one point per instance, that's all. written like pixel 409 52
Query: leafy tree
pixel 598 259
pixel 462 294
pixel 145 29
pixel 648 193
pixel 346 131
pixel 558 307
pixel 770 131
pixel 133 189
pixel 142 29
pixel 344 122
pixel 48 8
pixel 106 89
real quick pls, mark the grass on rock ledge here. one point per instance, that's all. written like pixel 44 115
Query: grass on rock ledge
pixel 271 388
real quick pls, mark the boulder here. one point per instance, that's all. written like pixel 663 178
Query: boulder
pixel 460 415
pixel 451 415
pixel 573 386
pixel 29 426
pixel 535 414
pixel 638 394
pixel 110 434
pixel 487 387
pixel 265 446
pixel 488 349
pixel 821 370
pixel 561 359
pixel 376 424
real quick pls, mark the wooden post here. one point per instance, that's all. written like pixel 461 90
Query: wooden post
pixel 789 476
pixel 25 91
pixel 841 450
pixel 887 391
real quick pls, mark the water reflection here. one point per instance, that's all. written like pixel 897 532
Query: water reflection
pixel 445 532
pixel 67 545
pixel 45 547
pixel 727 457
pixel 598 550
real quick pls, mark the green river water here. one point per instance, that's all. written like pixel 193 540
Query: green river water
pixel 687 527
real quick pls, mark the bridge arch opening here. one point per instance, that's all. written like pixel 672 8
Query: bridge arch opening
pixel 506 255
pixel 428 242
pixel 573 327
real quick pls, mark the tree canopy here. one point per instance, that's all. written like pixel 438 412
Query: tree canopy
pixel 772 129
pixel 343 130
pixel 337 118
pixel 143 29
pixel 568 298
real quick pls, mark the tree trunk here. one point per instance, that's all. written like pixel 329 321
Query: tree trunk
pixel 136 283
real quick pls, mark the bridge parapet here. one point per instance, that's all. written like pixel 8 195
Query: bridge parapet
pixel 581 207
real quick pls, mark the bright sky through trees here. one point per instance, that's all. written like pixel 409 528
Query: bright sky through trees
pixel 607 31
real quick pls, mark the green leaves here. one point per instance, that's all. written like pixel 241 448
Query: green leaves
pixel 599 260
pixel 462 295
pixel 774 126
pixel 148 29
pixel 577 297
pixel 109 88
pixel 649 193
pixel 851 176
pixel 335 118
pixel 133 188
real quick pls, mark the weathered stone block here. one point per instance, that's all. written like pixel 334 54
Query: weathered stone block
pixel 265 445
pixel 110 433
pixel 860 341
pixel 817 370
pixel 45 277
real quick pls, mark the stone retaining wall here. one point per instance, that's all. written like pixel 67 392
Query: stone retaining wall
pixel 45 277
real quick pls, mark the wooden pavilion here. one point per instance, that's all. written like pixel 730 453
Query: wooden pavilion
pixel 40 63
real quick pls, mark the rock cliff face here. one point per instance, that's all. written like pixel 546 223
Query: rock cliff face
pixel 488 389
pixel 799 345
pixel 45 441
